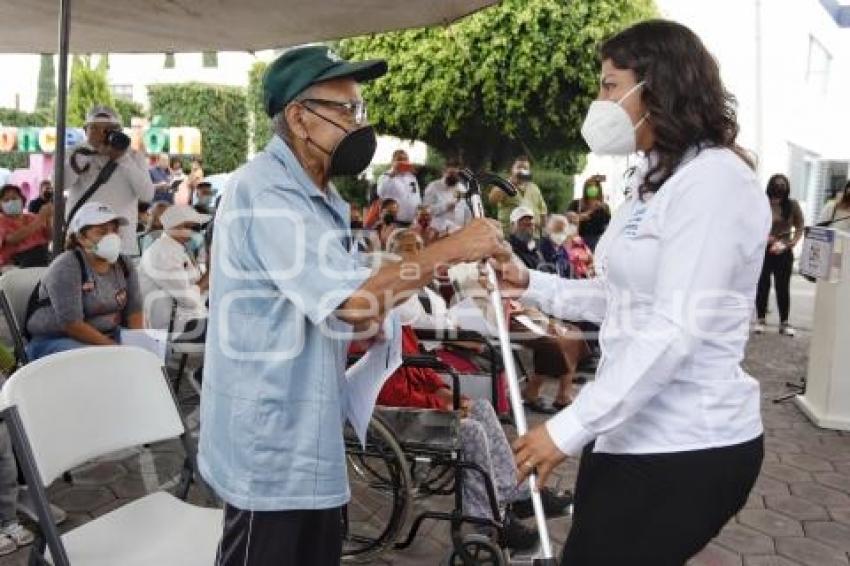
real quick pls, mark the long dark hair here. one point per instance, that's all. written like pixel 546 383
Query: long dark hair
pixel 785 204
pixel 688 105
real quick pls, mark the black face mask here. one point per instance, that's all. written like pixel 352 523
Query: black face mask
pixel 777 194
pixel 353 153
pixel 356 225
pixel 389 218
pixel 48 196
pixel 452 180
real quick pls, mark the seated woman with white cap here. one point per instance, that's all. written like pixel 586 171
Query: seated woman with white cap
pixel 89 291
pixel 169 276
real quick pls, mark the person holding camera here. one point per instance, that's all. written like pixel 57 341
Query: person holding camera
pixel 105 169
pixel 528 196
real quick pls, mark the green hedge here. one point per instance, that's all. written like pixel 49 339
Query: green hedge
pixel 219 112
pixel 12 117
pixel 262 131
pixel 557 188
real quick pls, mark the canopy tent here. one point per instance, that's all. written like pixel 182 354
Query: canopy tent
pixel 156 26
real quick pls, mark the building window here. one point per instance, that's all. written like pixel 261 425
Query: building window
pixel 124 92
pixel 169 61
pixel 210 59
pixel 818 66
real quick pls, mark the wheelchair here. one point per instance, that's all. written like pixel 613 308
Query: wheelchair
pixel 412 454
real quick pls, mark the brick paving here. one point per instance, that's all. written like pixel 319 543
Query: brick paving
pixel 798 513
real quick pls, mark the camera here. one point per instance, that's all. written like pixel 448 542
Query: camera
pixel 116 139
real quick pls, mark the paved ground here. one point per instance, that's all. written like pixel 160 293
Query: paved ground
pixel 798 514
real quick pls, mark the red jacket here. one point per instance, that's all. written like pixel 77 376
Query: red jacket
pixel 413 387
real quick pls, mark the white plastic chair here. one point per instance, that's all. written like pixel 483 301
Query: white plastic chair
pixel 67 408
pixel 15 289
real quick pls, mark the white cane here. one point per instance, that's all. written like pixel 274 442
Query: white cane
pixel 474 196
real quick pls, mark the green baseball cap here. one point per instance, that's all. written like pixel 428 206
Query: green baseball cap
pixel 297 69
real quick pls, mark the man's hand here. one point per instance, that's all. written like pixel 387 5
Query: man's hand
pixel 536 452
pixel 497 195
pixel 115 154
pixel 480 239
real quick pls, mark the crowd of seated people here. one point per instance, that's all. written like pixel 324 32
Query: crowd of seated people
pixel 90 292
pixel 481 434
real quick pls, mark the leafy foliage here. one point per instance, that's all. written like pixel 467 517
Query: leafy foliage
pixel 516 77
pixel 556 187
pixel 262 131
pixel 46 83
pixel 128 110
pixel 89 87
pixel 219 112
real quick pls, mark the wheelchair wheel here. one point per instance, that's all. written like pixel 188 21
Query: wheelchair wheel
pixel 381 493
pixel 482 551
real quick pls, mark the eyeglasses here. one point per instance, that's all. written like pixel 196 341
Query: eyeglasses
pixel 354 108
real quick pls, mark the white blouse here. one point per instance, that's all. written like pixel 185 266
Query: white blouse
pixel 678 274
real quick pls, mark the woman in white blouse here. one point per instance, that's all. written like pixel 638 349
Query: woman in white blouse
pixel 670 432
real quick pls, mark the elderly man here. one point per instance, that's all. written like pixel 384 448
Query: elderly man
pixel 106 170
pixel 286 298
pixel 400 184
pixel 522 240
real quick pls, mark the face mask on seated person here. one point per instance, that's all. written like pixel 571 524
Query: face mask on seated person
pixel 108 248
pixel 12 207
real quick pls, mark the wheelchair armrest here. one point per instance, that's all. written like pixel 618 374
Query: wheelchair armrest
pixel 450 335
pixel 427 362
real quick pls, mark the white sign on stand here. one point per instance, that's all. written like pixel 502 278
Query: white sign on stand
pixel 818 249
pixel 826 400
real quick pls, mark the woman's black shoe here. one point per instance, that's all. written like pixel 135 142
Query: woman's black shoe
pixel 554 504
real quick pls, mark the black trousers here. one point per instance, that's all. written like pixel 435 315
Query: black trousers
pixel 281 538
pixel 780 267
pixel 657 509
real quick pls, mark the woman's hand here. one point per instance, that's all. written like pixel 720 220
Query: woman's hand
pixel 536 452
pixel 512 275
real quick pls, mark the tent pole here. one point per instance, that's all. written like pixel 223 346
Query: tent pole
pixel 61 118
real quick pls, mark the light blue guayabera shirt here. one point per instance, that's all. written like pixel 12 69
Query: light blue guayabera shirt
pixel 271 408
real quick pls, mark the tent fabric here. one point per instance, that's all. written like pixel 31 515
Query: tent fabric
pixel 157 26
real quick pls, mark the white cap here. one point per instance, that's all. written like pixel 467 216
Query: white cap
pixel 94 214
pixel 101 114
pixel 180 214
pixel 520 212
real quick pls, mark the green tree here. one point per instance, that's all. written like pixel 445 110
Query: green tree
pixel 46 83
pixel 219 112
pixel 89 87
pixel 262 131
pixel 516 77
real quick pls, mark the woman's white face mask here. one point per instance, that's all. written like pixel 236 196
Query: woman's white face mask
pixel 608 129
pixel 108 248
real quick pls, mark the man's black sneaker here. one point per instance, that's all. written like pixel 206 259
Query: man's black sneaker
pixel 554 504
pixel 517 535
